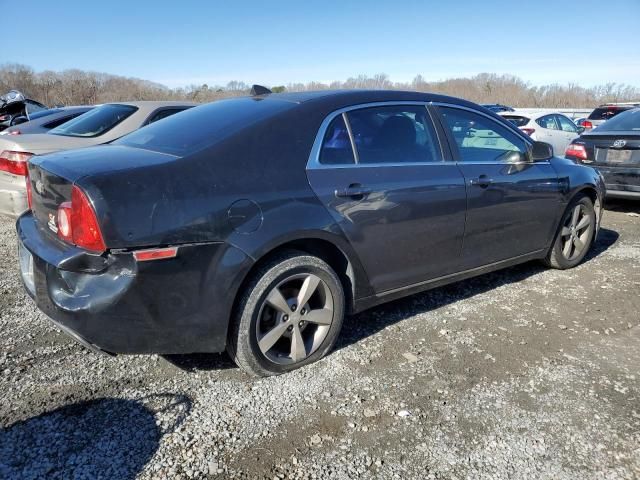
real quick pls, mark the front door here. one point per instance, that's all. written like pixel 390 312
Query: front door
pixel 382 175
pixel 512 203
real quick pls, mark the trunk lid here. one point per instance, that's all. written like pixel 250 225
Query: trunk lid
pixel 614 149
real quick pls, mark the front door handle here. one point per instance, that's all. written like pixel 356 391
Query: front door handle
pixel 355 191
pixel 483 181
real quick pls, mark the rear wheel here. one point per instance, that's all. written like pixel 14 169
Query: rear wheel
pixel 289 316
pixel 575 235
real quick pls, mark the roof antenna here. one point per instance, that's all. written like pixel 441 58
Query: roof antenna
pixel 259 90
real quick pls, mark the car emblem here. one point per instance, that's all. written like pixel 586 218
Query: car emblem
pixel 52 223
pixel 39 186
pixel 619 143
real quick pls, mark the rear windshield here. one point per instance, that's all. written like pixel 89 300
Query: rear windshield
pixel 605 113
pixel 196 128
pixel 95 122
pixel 626 121
pixel 517 120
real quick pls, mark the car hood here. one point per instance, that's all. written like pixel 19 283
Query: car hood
pixel 41 143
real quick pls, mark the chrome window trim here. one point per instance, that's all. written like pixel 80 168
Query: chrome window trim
pixel 527 140
pixel 313 163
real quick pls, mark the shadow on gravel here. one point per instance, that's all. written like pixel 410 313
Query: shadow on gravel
pixel 104 438
pixel 196 362
pixel 362 325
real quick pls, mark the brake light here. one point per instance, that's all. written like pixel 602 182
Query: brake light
pixel 14 162
pixel 575 150
pixel 15 132
pixel 587 124
pixel 78 224
pixel 528 131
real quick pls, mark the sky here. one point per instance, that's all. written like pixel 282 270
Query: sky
pixel 179 43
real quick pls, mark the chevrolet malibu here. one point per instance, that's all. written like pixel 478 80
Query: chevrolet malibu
pixel 256 224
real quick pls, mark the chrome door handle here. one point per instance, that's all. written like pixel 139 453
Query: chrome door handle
pixel 355 190
pixel 483 181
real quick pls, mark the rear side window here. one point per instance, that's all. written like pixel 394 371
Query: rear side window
pixel 336 145
pixel 517 120
pixel 566 125
pixel 394 134
pixel 480 139
pixel 167 112
pixel 605 113
pixel 548 122
pixel 95 122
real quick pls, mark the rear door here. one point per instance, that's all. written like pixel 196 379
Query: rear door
pixel 550 133
pixel 381 172
pixel 512 204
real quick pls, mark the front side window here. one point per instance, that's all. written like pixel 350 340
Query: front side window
pixel 566 125
pixel 336 145
pixel 394 134
pixel 548 122
pixel 95 122
pixel 480 139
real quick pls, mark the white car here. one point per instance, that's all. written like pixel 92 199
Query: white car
pixel 553 128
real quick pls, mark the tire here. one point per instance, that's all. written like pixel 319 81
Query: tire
pixel 301 334
pixel 578 231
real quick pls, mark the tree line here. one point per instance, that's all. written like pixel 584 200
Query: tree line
pixel 78 87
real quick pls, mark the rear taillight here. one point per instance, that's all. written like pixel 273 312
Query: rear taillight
pixel 78 224
pixel 528 131
pixel 587 124
pixel 575 150
pixel 15 132
pixel 4 118
pixel 14 162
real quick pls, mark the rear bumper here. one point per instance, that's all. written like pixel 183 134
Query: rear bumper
pixel 621 182
pixel 113 304
pixel 13 199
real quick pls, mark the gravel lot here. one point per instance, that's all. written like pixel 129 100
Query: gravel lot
pixel 525 373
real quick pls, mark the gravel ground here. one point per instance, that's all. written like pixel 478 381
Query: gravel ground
pixel 525 373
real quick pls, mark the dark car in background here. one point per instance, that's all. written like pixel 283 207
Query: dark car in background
pixel 606 112
pixel 256 224
pixel 614 149
pixel 15 108
pixel 45 120
pixel 498 107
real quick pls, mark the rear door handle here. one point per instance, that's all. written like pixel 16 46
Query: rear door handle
pixel 355 190
pixel 483 181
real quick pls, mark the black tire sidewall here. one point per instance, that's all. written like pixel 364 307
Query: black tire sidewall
pixel 247 353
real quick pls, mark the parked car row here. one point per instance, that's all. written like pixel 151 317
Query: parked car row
pixel 256 224
pixel 614 149
pixel 97 125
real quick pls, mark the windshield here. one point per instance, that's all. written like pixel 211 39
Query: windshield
pixel 199 127
pixel 95 122
pixel 626 121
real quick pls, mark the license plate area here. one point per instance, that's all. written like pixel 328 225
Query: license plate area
pixel 616 156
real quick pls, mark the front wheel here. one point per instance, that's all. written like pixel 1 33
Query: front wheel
pixel 289 316
pixel 575 235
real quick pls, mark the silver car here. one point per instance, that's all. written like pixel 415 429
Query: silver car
pixel 543 126
pixel 101 125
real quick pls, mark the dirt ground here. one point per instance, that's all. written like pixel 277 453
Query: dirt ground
pixel 524 373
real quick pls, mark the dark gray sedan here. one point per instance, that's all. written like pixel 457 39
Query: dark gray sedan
pixel 256 224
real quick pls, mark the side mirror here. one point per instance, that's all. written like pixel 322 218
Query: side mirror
pixel 541 151
pixel 581 129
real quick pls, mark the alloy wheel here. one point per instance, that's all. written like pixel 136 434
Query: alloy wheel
pixel 575 232
pixel 294 319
